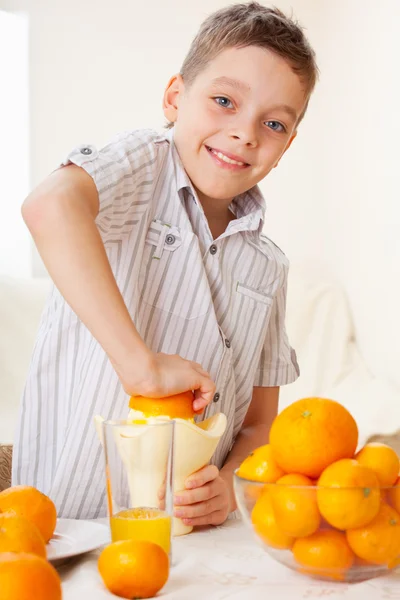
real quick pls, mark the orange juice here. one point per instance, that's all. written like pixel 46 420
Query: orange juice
pixel 149 524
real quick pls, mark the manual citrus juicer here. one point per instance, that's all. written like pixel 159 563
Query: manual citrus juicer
pixel 195 444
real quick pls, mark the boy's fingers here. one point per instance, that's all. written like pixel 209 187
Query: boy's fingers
pixel 200 478
pixel 215 518
pixel 204 392
pixel 199 509
pixel 199 402
pixel 186 497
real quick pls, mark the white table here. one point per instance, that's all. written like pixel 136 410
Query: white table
pixel 224 563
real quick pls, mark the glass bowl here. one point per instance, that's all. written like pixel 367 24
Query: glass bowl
pixel 287 521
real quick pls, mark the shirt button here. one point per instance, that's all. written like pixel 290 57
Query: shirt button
pixel 213 249
pixel 170 239
pixel 86 151
pixel 227 343
pixel 216 397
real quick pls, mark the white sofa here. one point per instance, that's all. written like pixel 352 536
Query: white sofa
pixel 319 328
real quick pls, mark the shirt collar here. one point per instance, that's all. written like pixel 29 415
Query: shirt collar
pixel 182 178
pixel 249 207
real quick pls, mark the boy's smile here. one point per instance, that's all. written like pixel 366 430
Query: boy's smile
pixel 235 121
pixel 227 160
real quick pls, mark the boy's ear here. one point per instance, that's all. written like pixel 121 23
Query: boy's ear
pixel 171 97
pixel 287 147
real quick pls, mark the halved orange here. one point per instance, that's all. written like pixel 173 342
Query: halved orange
pixel 178 406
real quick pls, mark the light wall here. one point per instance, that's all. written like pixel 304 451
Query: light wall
pixel 15 246
pixel 335 198
pixel 98 68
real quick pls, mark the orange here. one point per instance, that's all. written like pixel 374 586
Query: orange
pixel 26 576
pixel 384 494
pixel 265 526
pixel 382 459
pixel 178 406
pixel 253 492
pixel 348 494
pixel 324 554
pixel 261 466
pixel 360 562
pixel 379 541
pixel 20 535
pixel 28 502
pixel 393 564
pixel 312 433
pixel 294 501
pixel 394 495
pixel 324 524
pixel 134 569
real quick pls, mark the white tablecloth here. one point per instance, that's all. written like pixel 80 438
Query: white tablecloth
pixel 224 563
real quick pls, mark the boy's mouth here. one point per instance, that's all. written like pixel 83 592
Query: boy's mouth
pixel 226 159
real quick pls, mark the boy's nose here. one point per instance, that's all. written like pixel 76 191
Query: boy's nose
pixel 246 134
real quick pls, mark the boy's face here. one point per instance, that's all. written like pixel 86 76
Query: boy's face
pixel 242 108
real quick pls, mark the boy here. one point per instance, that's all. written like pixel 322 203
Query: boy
pixel 163 279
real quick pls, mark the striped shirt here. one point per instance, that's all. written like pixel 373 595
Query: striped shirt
pixel 218 302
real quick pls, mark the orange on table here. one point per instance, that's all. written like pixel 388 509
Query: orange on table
pixel 325 554
pixel 265 526
pixel 25 576
pixel 20 535
pixel 178 406
pixel 261 466
pixel 132 569
pixel 294 502
pixel 393 495
pixel 348 494
pixel 312 433
pixel 28 502
pixel 382 459
pixel 379 541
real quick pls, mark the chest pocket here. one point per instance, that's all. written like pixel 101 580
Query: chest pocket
pixel 254 310
pixel 254 294
pixel 172 276
pixel 254 307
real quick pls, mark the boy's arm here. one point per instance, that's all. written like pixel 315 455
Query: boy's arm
pixel 254 433
pixel 60 214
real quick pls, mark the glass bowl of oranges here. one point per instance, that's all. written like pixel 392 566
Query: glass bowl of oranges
pixel 320 508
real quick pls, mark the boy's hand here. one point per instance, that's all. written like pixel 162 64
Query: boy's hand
pixel 206 499
pixel 158 375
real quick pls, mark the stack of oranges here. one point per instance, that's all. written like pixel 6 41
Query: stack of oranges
pixel 28 519
pixel 27 522
pixel 333 507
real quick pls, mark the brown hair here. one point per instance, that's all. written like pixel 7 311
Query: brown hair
pixel 252 24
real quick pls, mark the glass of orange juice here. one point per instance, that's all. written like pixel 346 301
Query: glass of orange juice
pixel 139 476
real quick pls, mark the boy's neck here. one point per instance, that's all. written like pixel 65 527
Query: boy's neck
pixel 217 213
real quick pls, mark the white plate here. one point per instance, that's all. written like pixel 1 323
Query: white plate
pixel 73 537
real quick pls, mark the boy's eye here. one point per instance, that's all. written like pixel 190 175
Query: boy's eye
pixel 223 101
pixel 275 126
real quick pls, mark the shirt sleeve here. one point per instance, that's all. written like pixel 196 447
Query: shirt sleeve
pixel 278 363
pixel 123 171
